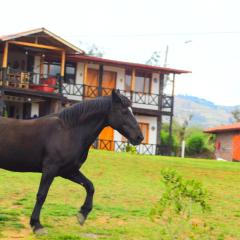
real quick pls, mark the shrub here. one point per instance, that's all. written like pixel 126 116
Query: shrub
pixel 195 144
pixel 180 207
pixel 165 139
pixel 130 148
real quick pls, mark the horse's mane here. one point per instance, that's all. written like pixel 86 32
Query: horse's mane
pixel 77 113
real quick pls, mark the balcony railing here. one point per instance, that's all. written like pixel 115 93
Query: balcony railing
pixel 28 80
pixel 86 91
pixel 121 146
pixel 50 84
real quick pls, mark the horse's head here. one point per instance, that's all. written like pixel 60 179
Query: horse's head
pixel 122 119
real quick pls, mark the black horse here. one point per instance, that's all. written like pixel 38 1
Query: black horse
pixel 58 144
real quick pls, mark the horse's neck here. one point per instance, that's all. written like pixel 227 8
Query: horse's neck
pixel 91 128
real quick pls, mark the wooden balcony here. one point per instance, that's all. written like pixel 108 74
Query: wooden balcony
pixel 31 81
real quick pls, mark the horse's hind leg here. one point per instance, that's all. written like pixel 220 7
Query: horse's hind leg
pixel 46 181
pixel 86 208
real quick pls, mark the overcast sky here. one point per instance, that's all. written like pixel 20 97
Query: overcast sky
pixel 203 35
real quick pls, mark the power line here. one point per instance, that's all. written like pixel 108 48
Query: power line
pixel 156 34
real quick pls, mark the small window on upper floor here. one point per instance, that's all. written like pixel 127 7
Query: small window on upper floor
pixel 53 69
pixel 143 82
pixel 70 73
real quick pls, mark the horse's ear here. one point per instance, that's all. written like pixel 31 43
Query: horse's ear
pixel 116 96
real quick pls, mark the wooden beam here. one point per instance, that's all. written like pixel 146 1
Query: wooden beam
pixel 133 80
pixel 85 73
pixel 63 60
pixel 36 45
pixel 5 56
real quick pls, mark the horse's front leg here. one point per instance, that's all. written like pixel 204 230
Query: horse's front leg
pixel 46 181
pixel 86 208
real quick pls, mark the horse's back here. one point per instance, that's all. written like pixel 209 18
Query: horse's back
pixel 22 143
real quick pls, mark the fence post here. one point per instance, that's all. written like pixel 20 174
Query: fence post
pixel 183 149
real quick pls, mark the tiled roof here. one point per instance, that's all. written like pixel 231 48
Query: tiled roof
pixel 125 64
pixel 224 128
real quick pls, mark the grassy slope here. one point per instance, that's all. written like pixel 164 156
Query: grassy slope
pixel 127 186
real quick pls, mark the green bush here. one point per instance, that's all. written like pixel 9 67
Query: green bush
pixel 129 148
pixel 195 144
pixel 165 140
pixel 181 207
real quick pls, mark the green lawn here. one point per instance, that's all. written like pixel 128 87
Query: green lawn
pixel 127 186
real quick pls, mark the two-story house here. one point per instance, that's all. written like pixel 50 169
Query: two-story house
pixel 41 71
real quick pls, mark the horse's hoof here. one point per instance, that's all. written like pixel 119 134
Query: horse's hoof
pixel 40 231
pixel 81 219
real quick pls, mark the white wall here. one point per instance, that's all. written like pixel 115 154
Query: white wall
pixel 155 83
pixel 79 80
pixel 36 69
pixel 152 132
pixel 34 109
pixel 119 83
pixel 79 73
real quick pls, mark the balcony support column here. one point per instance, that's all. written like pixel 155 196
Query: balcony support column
pixel 171 117
pixel 63 61
pixel 4 63
pixel 4 79
pixel 159 118
pixel 100 79
pixel 133 82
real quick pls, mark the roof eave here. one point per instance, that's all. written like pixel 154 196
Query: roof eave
pixel 44 30
pixel 127 64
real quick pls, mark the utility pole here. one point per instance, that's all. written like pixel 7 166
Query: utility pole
pixel 166 57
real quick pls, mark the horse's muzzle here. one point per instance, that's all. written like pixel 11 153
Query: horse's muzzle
pixel 137 140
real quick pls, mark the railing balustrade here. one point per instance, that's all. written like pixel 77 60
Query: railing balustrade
pixel 123 146
pixel 88 91
pixel 47 83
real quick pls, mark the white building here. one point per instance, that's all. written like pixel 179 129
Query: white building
pixel 41 70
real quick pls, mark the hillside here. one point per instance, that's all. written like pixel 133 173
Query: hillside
pixel 205 113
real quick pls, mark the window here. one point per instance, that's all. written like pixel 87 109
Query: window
pixel 54 69
pixel 143 82
pixel 70 73
pixel 51 68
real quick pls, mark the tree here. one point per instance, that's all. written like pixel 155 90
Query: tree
pixel 195 144
pixel 236 114
pixel 182 131
pixel 154 60
pixel 91 49
pixel 94 50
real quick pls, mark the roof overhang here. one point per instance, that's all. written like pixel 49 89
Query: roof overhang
pixel 224 128
pixel 98 60
pixel 42 32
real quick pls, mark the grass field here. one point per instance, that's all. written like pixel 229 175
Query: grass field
pixel 127 187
